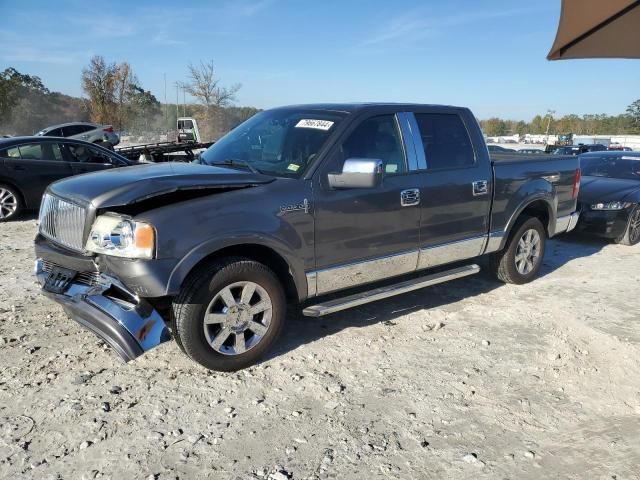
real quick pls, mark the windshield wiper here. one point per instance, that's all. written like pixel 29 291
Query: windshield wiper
pixel 230 162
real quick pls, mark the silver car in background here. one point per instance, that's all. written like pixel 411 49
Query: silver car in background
pixel 89 132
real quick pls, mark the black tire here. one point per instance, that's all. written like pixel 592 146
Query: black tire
pixel 504 263
pixel 631 235
pixel 10 203
pixel 202 288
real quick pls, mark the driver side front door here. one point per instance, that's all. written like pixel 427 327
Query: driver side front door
pixel 366 234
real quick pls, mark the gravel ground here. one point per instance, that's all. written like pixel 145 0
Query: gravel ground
pixel 471 379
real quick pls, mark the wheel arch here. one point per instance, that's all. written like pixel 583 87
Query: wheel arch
pixel 539 206
pixel 285 266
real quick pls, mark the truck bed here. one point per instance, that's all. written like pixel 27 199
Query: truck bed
pixel 523 176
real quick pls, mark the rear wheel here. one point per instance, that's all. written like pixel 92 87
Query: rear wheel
pixel 10 203
pixel 631 235
pixel 522 257
pixel 229 314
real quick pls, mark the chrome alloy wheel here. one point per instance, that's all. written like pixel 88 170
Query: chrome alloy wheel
pixel 237 318
pixel 528 251
pixel 634 226
pixel 8 203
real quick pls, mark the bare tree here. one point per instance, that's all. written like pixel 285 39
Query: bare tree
pixel 98 82
pixel 125 83
pixel 205 87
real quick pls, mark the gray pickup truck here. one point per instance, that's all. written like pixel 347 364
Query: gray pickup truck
pixel 359 201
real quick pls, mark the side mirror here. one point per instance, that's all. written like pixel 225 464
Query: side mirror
pixel 357 173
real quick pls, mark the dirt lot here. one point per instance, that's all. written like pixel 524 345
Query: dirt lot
pixel 471 379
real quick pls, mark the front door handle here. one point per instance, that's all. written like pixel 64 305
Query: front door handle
pixel 480 187
pixel 410 197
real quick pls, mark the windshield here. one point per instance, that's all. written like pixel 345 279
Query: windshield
pixel 623 166
pixel 282 142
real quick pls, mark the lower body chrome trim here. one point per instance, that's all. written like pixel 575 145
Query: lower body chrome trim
pixel 566 223
pixel 312 284
pixel 367 271
pixel 494 242
pixel 575 216
pixel 451 252
pixel 389 291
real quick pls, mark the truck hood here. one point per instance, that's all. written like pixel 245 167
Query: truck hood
pixel 604 189
pixel 128 185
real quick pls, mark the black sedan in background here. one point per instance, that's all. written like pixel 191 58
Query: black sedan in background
pixel 29 164
pixel 610 195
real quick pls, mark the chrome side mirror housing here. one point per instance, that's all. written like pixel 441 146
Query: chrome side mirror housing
pixel 357 173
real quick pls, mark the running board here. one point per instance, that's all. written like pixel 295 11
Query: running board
pixel 351 301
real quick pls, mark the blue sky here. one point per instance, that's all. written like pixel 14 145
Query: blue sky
pixel 488 55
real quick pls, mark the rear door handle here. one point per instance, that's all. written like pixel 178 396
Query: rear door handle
pixel 480 187
pixel 19 167
pixel 410 197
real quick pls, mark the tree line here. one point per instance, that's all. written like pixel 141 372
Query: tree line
pixel 627 123
pixel 115 96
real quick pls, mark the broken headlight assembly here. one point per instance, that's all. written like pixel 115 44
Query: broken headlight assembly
pixel 121 237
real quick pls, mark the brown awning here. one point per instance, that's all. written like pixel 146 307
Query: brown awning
pixel 598 29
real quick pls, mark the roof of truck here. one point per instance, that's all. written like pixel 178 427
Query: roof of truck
pixel 356 107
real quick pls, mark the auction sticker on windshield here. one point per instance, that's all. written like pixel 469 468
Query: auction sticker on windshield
pixel 318 124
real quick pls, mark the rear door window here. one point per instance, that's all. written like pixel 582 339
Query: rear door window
pixel 56 132
pixel 75 130
pixel 41 151
pixel 445 140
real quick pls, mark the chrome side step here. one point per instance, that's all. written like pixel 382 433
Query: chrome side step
pixel 351 301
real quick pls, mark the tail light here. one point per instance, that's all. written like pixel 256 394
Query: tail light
pixel 576 183
pixel 108 129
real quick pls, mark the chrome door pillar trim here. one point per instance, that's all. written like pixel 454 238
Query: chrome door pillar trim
pixel 417 141
pixel 344 276
pixel 436 255
pixel 412 141
pixel 408 140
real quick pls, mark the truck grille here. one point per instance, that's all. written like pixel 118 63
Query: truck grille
pixel 87 278
pixel 62 222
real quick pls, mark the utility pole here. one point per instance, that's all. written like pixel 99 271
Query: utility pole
pixel 184 101
pixel 166 119
pixel 549 118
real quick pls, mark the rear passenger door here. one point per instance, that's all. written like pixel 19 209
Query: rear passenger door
pixel 34 166
pixel 457 187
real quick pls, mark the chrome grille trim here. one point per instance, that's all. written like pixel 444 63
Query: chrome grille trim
pixel 86 278
pixel 62 222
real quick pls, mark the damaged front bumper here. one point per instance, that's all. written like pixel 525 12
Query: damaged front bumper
pixel 129 324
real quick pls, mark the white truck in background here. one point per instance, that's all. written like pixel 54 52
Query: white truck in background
pixel 187 144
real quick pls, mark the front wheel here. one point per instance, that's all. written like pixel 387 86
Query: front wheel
pixel 631 235
pixel 522 257
pixel 229 314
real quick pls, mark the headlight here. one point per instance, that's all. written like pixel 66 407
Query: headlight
pixel 121 237
pixel 609 206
